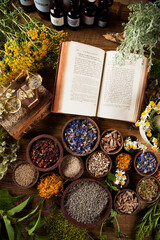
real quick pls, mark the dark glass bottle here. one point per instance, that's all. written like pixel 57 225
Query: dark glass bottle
pixel 57 14
pixel 27 5
pixel 73 15
pixel 89 13
pixel 102 16
pixel 43 7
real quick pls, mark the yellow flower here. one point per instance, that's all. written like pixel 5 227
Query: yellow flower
pixel 151 103
pixel 120 174
pixel 155 140
pixel 143 113
pixel 134 147
pixel 142 118
pixel 154 148
pixel 149 134
pixel 158 105
pixel 148 130
pixel 137 124
pixel 131 145
pixel 122 183
pixel 147 124
pixel 148 108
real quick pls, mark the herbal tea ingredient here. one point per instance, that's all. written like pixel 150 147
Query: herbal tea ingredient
pixel 157 175
pixel 51 185
pixel 86 202
pixel 146 162
pixel 44 153
pixel 80 136
pixel 98 164
pixel 120 178
pixel 60 229
pixel 71 166
pixel 133 144
pixel 148 189
pixel 126 202
pixel 150 222
pixel 111 141
pixel 24 174
pixel 123 161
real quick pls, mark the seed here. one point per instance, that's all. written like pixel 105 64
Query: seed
pixel 24 174
pixel 148 189
pixel 71 166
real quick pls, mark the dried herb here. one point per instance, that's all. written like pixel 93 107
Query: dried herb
pixel 110 223
pixel 149 222
pixel 13 225
pixel 141 32
pixel 8 152
pixel 60 229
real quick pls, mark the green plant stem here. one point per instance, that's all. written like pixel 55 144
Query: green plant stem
pixel 101 228
pixel 117 224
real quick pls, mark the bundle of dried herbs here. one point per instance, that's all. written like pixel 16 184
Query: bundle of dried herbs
pixel 150 222
pixel 60 229
pixel 141 32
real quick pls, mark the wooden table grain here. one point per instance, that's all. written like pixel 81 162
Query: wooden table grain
pixel 53 125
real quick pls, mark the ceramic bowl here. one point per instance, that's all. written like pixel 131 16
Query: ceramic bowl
pixel 127 209
pixel 138 169
pixel 104 213
pixel 108 139
pixel 35 179
pixel 63 166
pixel 94 165
pixel 57 144
pixel 71 138
pixel 138 189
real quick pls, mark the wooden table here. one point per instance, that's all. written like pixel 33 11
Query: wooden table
pixel 53 124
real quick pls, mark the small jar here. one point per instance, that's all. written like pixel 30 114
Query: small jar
pixel 43 7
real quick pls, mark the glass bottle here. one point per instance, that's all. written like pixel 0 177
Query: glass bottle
pixel 27 5
pixel 102 18
pixel 57 14
pixel 73 15
pixel 43 7
pixel 89 13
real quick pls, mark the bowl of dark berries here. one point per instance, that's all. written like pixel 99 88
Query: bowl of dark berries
pixel 98 164
pixel 146 163
pixel 71 167
pixel 148 189
pixel 111 141
pixel 126 202
pixel 80 136
pixel 44 152
pixel 86 203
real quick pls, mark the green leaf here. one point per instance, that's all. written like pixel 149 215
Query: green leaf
pixel 32 213
pixel 111 176
pixel 32 229
pixel 115 188
pixel 40 224
pixel 157 234
pixel 103 237
pixel 6 200
pixel 19 207
pixel 9 228
pixel 18 229
pixel 41 237
pixel 113 213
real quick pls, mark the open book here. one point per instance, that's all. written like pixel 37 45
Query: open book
pixel 89 82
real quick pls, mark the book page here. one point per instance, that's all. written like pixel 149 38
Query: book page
pixel 122 89
pixel 78 79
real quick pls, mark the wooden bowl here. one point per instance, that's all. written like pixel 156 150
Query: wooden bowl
pixel 95 144
pixel 109 167
pixel 122 192
pixel 35 177
pixel 137 189
pixel 115 151
pixel 149 173
pixel 29 147
pixel 105 213
pixel 130 165
pixel 64 161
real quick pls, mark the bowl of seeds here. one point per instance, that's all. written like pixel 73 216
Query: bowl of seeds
pixel 44 152
pixel 146 163
pixel 111 141
pixel 126 202
pixel 71 167
pixel 25 175
pixel 80 136
pixel 86 203
pixel 148 189
pixel 98 164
